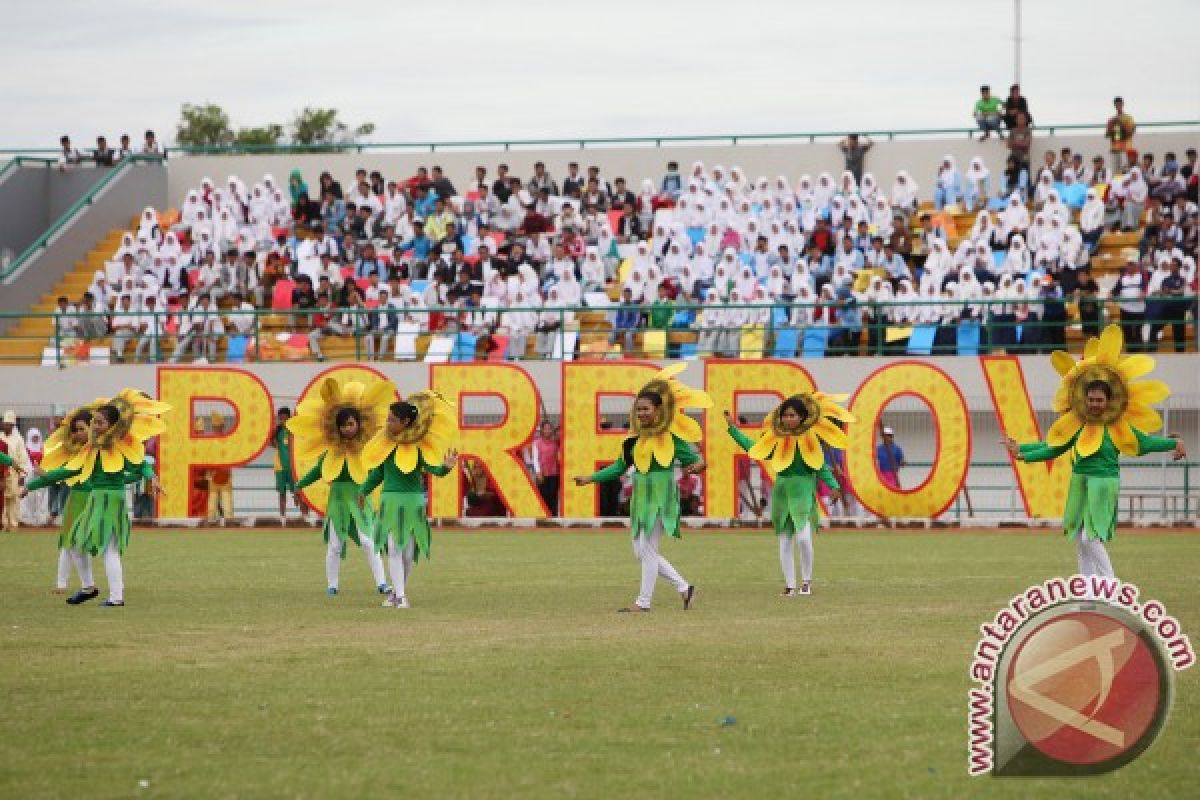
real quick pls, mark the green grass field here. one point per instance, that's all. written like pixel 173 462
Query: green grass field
pixel 231 674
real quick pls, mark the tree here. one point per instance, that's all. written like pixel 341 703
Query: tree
pixel 203 126
pixel 321 128
pixel 260 139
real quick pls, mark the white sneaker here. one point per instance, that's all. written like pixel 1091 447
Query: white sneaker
pixel 806 587
pixel 390 601
pixel 401 602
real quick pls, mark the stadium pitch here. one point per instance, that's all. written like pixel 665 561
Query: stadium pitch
pixel 230 673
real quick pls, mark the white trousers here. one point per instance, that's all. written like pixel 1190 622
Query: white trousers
pixel 645 550
pixel 400 564
pixel 333 559
pixel 114 572
pixel 787 558
pixel 83 568
pixel 1093 558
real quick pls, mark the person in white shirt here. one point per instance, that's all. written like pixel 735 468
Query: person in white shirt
pixel 151 327
pixel 1130 293
pixel 201 324
pixel 124 325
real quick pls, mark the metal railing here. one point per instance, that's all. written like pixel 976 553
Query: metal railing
pixel 88 198
pixel 593 141
pixel 668 330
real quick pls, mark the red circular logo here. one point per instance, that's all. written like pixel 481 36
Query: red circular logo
pixel 1084 688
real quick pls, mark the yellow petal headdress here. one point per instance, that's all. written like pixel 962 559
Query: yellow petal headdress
pixel 654 441
pixel 777 446
pixel 428 436
pixel 315 424
pixel 60 448
pixel 139 417
pixel 1130 402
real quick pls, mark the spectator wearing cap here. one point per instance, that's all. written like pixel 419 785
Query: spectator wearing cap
pixel 889 458
pixel 987 113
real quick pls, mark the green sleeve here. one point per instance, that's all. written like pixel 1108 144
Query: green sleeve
pixel 312 475
pixel 5 460
pixel 437 470
pixel 135 473
pixel 742 439
pixel 684 452
pixel 825 476
pixel 612 471
pixel 1148 443
pixel 53 476
pixel 1040 451
pixel 374 478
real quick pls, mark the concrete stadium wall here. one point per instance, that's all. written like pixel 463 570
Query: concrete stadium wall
pixel 32 197
pixel 919 156
pixel 141 185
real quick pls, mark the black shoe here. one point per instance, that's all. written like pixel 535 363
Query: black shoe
pixel 633 609
pixel 687 597
pixel 82 596
pixel 111 604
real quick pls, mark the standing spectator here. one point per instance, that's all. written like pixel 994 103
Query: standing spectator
pixel 14 445
pixel 1087 296
pixel 1130 293
pixel 1119 132
pixel 68 156
pixel 1012 104
pixel 1020 139
pixel 104 155
pixel 125 149
pixel 1170 308
pixel 987 113
pixel 626 322
pixel 124 326
pixel 202 325
pixel 93 324
pixel 889 458
pixel 854 151
pixel 671 185
pixel 544 459
pixel 150 145
pixel 542 180
pixel 151 328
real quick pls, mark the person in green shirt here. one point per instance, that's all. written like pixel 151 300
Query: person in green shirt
pixel 987 113
pixel 285 479
pixel 662 310
pixel 1090 515
pixel 790 448
pixel 347 517
pixel 113 457
pixel 660 441
pixel 415 431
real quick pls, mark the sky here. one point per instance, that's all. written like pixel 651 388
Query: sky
pixel 527 69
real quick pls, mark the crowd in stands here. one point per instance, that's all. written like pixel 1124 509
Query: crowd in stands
pixel 708 250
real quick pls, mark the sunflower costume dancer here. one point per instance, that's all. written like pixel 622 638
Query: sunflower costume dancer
pixel 412 443
pixel 661 433
pixel 1105 413
pixel 790 448
pixel 114 455
pixel 334 427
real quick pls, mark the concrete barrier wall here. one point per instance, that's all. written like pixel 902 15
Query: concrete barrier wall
pixel 139 186
pixel 920 157
pixel 34 196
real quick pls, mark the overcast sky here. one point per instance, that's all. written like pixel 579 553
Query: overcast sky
pixel 470 69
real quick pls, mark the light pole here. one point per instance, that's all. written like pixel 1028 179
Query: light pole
pixel 1017 42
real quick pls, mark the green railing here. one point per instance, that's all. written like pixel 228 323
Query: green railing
pixel 941 327
pixel 67 216
pixel 656 141
pixel 21 161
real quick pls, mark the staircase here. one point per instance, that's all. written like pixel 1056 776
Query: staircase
pixel 23 343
